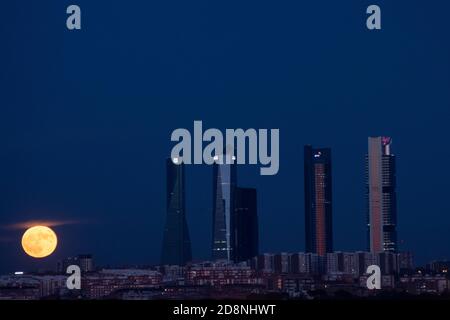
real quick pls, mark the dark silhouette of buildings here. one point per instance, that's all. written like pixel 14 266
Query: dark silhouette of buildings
pixel 381 196
pixel 318 200
pixel 246 224
pixel 176 248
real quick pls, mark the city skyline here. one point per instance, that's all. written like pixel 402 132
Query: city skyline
pixel 235 235
pixel 237 269
pixel 225 185
pixel 87 115
pixel 239 230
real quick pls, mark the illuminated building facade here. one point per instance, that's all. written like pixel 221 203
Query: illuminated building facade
pixel 318 200
pixel 381 196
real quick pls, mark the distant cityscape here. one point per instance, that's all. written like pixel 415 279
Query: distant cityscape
pixel 237 270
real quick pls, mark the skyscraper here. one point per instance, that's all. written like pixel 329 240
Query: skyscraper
pixel 224 185
pixel 381 196
pixel 318 200
pixel 176 249
pixel 246 243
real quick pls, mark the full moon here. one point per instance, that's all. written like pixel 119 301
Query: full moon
pixel 39 241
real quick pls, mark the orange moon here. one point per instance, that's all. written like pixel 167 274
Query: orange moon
pixel 39 241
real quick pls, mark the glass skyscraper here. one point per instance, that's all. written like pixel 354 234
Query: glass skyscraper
pixel 318 200
pixel 224 185
pixel 176 249
pixel 381 196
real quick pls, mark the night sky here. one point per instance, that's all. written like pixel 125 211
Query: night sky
pixel 86 117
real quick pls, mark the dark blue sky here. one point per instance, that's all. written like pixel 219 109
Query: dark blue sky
pixel 86 117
